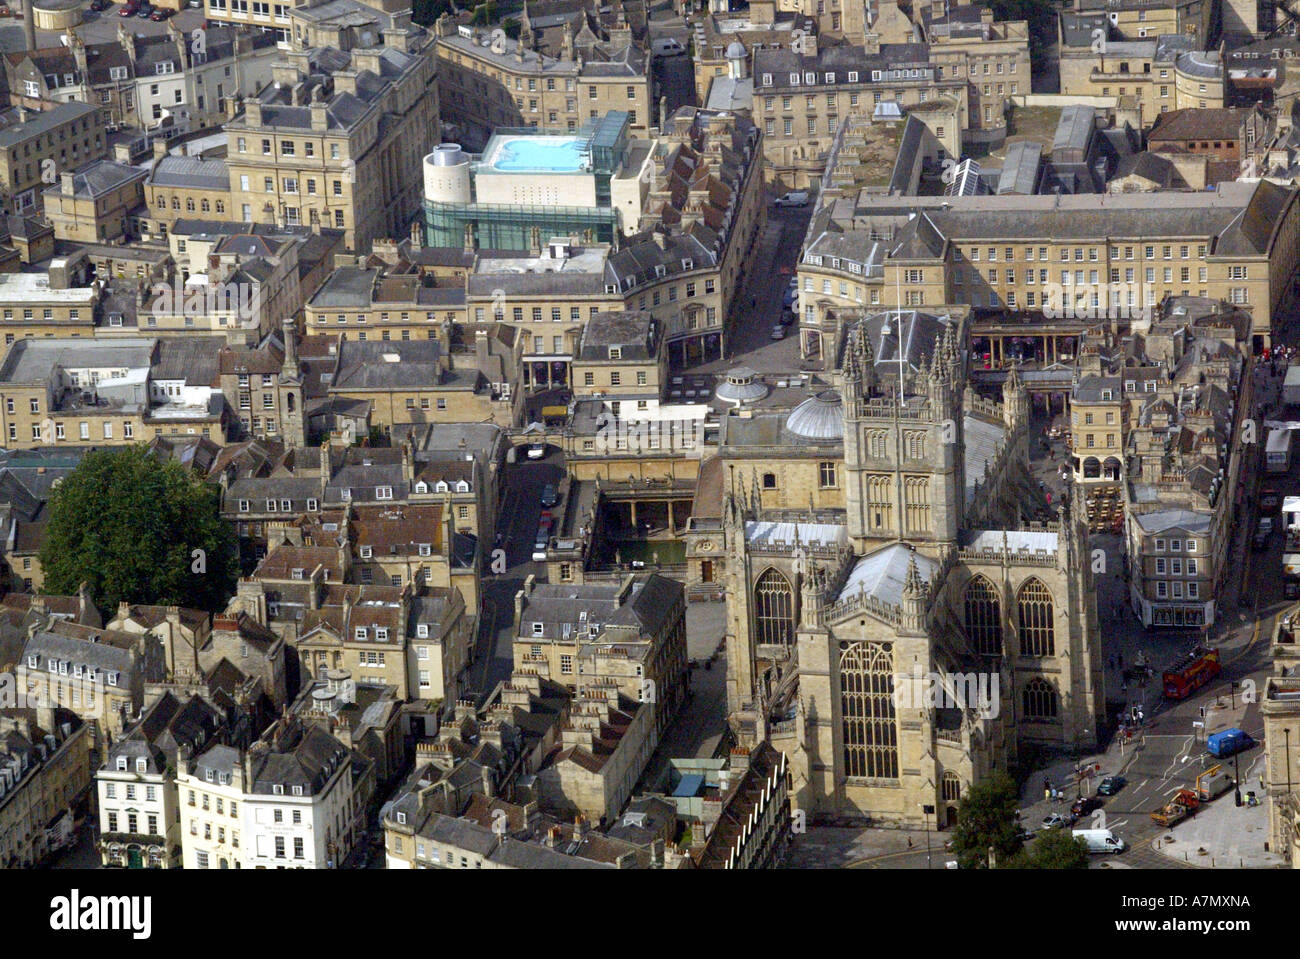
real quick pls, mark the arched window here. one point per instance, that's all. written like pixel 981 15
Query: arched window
pixel 221 206
pixel 951 787
pixel 1037 620
pixel 984 617
pixel 289 402
pixel 774 609
pixel 1039 700
pixel 867 707
pixel 204 205
pixel 189 204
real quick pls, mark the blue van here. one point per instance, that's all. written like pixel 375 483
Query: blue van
pixel 1228 742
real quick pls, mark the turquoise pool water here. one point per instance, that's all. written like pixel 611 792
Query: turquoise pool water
pixel 539 155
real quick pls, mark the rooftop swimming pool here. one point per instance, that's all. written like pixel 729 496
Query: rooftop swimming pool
pixel 540 155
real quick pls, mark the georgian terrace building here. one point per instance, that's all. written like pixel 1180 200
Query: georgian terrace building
pixel 1030 253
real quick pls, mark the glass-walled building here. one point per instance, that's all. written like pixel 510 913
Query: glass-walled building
pixel 532 182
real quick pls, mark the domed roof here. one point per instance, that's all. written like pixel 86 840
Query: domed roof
pixel 736 50
pixel 741 386
pixel 819 417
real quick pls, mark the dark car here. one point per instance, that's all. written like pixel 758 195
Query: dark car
pixel 159 14
pixel 1084 805
pixel 1263 533
pixel 1111 785
pixel 129 9
pixel 550 495
pixel 146 9
pixel 98 5
pixel 1268 499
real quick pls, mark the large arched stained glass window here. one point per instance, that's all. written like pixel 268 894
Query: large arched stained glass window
pixel 984 617
pixel 1037 619
pixel 867 711
pixel 774 609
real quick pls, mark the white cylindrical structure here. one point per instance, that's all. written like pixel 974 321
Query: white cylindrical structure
pixel 446 175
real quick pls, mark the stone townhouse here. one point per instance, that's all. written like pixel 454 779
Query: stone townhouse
pixel 336 140
pixel 44 777
pixel 488 81
pixel 139 817
pixel 36 147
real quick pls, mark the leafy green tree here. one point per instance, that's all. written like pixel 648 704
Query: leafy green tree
pixel 986 817
pixel 1053 849
pixel 140 530
pixel 427 12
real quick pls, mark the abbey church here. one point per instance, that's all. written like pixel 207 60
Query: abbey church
pixel 884 536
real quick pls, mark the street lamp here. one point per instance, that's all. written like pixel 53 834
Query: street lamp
pixel 1236 775
pixel 928 811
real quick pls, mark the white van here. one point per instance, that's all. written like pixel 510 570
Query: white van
pixel 1100 840
pixel 667 47
pixel 793 198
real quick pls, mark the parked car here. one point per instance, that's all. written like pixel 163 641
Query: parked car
pixel 787 319
pixel 145 11
pixel 1263 533
pixel 1268 499
pixel 98 5
pixel 1111 785
pixel 129 9
pixel 778 332
pixel 793 198
pixel 160 14
pixel 550 495
pixel 1058 821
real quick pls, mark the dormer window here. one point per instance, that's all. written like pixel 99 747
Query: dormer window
pixel 360 632
pixel 270 506
pixel 538 629
pixel 313 505
pixel 297 790
pixel 381 633
pixel 224 780
pixel 426 549
pixel 112 679
pixel 121 763
pixel 208 775
pixel 277 790
pixel 299 573
pixel 422 487
pixel 286 506
pixel 78 670
pixel 52 665
pixel 616 352
pixel 367 552
pixel 383 492
pixel 422 630
pixel 142 765
pixel 243 506
pixel 401 819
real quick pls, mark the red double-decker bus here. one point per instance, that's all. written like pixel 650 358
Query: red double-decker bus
pixel 1191 673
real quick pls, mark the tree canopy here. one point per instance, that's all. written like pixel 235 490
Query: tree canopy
pixel 1053 849
pixel 986 817
pixel 141 530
